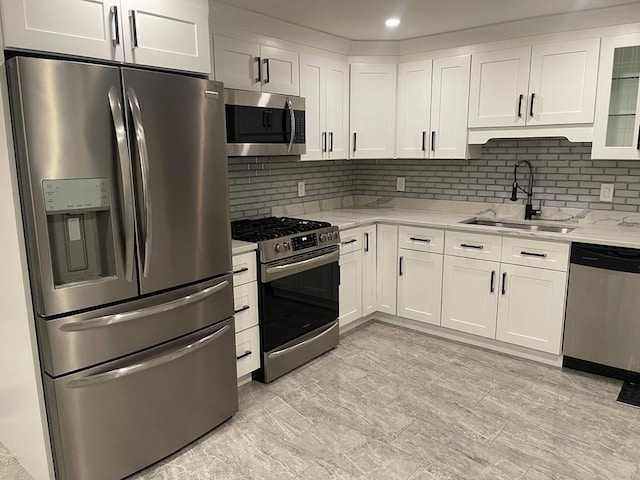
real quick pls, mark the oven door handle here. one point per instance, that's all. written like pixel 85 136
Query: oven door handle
pixel 273 273
pixel 284 351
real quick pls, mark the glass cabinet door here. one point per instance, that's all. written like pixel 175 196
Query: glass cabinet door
pixel 617 122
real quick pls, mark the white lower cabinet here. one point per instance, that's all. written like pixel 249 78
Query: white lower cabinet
pixel 387 268
pixel 419 286
pixel 245 304
pixel 248 351
pixel 369 270
pixel 350 287
pixel 470 295
pixel 531 307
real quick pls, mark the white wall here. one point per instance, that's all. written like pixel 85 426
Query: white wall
pixel 23 424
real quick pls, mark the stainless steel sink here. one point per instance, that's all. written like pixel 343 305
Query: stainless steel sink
pixel 533 227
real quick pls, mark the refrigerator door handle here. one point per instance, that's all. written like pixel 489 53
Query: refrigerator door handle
pixel 155 362
pixel 141 143
pixel 120 318
pixel 125 174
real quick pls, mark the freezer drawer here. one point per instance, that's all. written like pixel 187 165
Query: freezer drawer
pixel 80 341
pixel 113 420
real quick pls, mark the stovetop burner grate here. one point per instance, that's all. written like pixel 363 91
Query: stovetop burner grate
pixel 272 227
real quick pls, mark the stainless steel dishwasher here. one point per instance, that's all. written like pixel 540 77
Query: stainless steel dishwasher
pixel 602 326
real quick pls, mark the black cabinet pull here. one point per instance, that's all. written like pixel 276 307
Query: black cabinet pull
pixel 324 142
pixel 259 61
pixel 424 240
pixel 267 78
pixel 355 138
pixel 134 28
pixel 533 96
pixel 331 141
pixel 520 98
pixel 241 270
pixel 433 141
pixel 468 245
pixel 531 254
pixel 242 309
pixel 349 242
pixel 245 354
pixel 493 278
pixel 401 272
pixel 638 144
pixel 504 283
pixel 424 141
pixel 366 242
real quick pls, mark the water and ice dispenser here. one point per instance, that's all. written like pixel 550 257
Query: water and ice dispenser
pixel 80 231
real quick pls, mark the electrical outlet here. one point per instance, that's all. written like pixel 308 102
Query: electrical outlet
pixel 302 189
pixel 400 184
pixel 606 192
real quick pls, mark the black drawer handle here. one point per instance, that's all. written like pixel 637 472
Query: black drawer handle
pixel 424 240
pixel 245 354
pixel 531 254
pixel 468 245
pixel 241 270
pixel 348 242
pixel 242 309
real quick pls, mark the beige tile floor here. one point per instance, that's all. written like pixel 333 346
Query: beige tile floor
pixel 394 404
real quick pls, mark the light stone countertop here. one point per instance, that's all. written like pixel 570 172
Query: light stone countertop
pixel 238 247
pixel 603 231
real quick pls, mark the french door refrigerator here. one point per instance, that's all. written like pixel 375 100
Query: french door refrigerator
pixel 123 184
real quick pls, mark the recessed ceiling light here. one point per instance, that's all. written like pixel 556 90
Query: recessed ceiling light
pixel 392 22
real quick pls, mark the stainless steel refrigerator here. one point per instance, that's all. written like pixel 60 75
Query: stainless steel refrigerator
pixel 123 183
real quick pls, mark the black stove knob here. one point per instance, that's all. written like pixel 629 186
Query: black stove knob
pixel 323 237
pixel 286 245
pixel 278 247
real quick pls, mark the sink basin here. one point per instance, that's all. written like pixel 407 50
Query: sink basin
pixel 533 227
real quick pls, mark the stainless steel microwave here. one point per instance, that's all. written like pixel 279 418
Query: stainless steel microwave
pixel 264 124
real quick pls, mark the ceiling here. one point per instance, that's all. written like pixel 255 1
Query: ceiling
pixel 364 19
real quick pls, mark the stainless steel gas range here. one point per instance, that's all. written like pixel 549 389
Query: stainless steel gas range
pixel 298 290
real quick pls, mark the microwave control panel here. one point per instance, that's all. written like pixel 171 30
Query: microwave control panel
pixel 299 136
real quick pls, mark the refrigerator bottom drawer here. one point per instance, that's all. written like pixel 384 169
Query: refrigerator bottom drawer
pixel 113 420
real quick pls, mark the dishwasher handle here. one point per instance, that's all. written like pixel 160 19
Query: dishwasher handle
pixel 606 257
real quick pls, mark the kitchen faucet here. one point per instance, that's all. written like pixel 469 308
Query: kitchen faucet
pixel 529 211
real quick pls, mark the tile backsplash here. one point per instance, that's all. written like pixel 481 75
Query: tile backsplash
pixel 565 176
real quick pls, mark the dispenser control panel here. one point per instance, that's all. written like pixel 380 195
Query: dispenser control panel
pixel 76 194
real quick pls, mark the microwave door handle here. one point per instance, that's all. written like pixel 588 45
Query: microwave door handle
pixel 292 116
pixel 125 177
pixel 141 143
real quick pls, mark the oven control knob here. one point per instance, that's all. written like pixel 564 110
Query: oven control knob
pixel 323 237
pixel 286 246
pixel 278 247
pixel 334 235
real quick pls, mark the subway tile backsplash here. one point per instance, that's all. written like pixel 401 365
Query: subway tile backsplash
pixel 565 177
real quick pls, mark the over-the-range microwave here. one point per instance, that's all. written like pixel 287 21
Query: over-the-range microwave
pixel 264 124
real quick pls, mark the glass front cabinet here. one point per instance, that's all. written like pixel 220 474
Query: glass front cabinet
pixel 616 129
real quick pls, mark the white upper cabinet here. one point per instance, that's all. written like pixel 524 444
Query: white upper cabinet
pixel 325 86
pixel 373 108
pixel 449 107
pixel 551 84
pixel 414 110
pixel 616 128
pixel 499 86
pixel 159 33
pixel 249 66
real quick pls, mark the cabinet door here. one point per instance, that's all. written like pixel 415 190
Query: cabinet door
pixel 470 295
pixel 414 110
pixel 337 110
pixel 531 307
pixel 168 34
pixel 280 71
pixel 237 63
pixel 350 287
pixel 449 107
pixel 313 88
pixel 420 286
pixel 369 257
pixel 562 83
pixel 387 268
pixel 498 89
pixel 89 28
pixel 616 127
pixel 373 107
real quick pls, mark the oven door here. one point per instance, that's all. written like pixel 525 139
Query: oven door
pixel 298 310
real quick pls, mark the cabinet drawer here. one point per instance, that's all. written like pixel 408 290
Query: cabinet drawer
pixel 421 239
pixel 350 240
pixel 535 253
pixel 244 268
pixel 245 304
pixel 248 350
pixel 473 245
